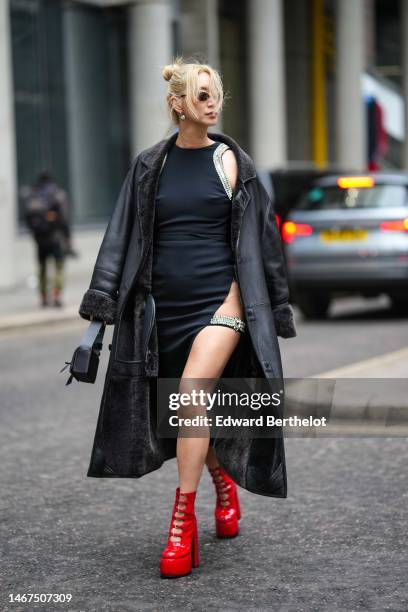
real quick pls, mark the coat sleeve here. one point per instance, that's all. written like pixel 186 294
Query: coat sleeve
pixel 100 300
pixel 274 267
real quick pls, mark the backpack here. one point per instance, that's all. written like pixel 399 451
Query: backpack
pixel 42 213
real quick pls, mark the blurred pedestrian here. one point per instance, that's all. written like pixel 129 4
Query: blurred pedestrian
pixel 47 214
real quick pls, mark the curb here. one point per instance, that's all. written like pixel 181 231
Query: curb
pixel 377 403
pixel 42 317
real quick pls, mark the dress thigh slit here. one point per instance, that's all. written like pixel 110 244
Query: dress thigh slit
pixel 206 324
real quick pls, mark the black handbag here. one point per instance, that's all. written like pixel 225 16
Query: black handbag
pixel 85 360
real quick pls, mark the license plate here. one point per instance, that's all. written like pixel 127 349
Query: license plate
pixel 343 235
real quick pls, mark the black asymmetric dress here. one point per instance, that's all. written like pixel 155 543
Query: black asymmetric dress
pixel 192 258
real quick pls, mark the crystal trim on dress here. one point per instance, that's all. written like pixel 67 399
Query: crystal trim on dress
pixel 164 161
pixel 219 166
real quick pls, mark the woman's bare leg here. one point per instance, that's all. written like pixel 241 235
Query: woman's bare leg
pixel 210 351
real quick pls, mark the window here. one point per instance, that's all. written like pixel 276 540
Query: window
pixel 333 197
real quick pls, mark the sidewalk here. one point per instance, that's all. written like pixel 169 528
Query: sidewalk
pixel 369 397
pixel 19 305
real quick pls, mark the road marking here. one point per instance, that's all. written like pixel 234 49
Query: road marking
pixel 373 362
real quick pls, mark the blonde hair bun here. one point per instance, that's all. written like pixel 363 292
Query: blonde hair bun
pixel 168 71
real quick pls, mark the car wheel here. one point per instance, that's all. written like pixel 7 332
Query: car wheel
pixel 399 304
pixel 314 306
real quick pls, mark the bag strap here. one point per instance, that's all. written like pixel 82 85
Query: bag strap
pixel 148 322
pixel 95 329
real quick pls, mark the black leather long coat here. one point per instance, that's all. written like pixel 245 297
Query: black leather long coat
pixel 126 443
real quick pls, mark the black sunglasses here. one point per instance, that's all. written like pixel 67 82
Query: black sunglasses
pixel 202 96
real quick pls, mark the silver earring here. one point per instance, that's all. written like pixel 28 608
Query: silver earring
pixel 182 116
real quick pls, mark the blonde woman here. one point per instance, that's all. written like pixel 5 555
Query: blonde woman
pixel 216 273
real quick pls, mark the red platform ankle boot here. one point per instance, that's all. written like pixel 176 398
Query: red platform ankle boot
pixel 181 552
pixel 227 510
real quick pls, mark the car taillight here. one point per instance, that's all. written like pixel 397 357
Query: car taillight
pixel 278 221
pixel 400 225
pixel 292 230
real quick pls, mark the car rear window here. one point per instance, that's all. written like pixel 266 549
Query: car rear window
pixel 333 197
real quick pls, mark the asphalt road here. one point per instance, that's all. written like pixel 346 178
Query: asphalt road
pixel 357 329
pixel 338 542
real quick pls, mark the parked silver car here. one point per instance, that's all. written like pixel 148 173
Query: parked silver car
pixel 348 234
